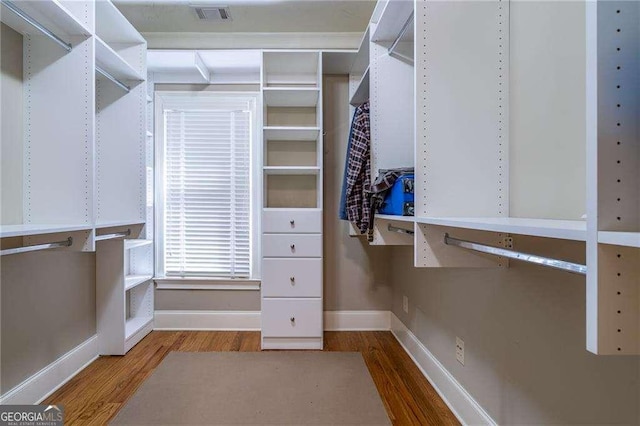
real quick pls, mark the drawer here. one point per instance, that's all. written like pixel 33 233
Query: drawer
pixel 292 221
pixel 291 278
pixel 292 245
pixel 291 317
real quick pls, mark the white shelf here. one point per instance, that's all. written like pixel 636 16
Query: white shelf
pixel 291 96
pixel 410 219
pixel 111 62
pixel 563 229
pixel 362 91
pixel 136 324
pixel 131 244
pixel 149 99
pixel 113 27
pixel 288 209
pixel 291 170
pixel 361 61
pixel 131 281
pixel 149 134
pixel 627 239
pixel 291 133
pixel 115 223
pixel 54 16
pixel 8 231
pixel 393 18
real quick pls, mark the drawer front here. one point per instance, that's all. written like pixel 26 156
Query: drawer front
pixel 291 317
pixel 292 245
pixel 292 221
pixel 292 278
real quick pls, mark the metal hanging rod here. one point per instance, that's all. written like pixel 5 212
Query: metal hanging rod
pixel 66 243
pixel 113 79
pixel 392 228
pixel 113 236
pixel 575 268
pixel 392 50
pixel 37 25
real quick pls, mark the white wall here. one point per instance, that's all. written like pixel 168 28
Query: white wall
pixel 524 334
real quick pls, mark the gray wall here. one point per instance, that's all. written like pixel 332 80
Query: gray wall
pixel 524 335
pixel 48 308
pixel 356 276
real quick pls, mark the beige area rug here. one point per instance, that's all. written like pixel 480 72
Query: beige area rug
pixel 257 388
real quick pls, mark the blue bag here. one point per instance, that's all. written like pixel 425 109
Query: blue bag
pixel 399 200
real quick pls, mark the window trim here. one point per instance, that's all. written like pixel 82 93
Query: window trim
pixel 162 98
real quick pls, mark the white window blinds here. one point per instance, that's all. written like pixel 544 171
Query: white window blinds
pixel 207 199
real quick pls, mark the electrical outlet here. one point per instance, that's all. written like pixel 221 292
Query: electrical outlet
pixel 405 304
pixel 460 350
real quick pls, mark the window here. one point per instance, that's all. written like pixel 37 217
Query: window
pixel 206 206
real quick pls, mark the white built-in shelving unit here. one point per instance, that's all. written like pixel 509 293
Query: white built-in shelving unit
pixel 386 80
pixel 77 171
pixel 47 169
pixel 497 161
pixel 124 293
pixel 292 212
pixel 613 176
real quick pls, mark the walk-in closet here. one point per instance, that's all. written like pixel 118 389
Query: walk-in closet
pixel 320 212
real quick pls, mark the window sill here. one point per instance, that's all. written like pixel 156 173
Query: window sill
pixel 176 283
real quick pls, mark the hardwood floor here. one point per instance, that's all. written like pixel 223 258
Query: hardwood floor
pixel 96 394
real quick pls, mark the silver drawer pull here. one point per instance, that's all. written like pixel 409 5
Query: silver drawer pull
pixel 293 246
pixel 292 222
pixel 293 319
pixel 292 279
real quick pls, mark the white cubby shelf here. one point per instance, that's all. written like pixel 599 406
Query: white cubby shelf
pixel 291 96
pixel 291 170
pixel 288 133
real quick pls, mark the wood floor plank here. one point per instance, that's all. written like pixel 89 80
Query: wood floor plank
pixel 95 395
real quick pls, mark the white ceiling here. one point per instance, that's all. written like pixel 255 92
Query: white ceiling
pixel 260 16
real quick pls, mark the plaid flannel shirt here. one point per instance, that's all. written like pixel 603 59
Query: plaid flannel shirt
pixel 358 174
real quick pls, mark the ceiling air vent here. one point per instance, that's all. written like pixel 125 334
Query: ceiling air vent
pixel 213 13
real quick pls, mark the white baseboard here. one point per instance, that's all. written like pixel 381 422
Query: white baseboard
pixel 250 320
pixel 207 320
pixel 357 320
pixel 461 403
pixel 46 381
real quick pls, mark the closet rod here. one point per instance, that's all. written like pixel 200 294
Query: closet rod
pixel 66 243
pixel 113 236
pixel 575 268
pixel 403 31
pixel 37 25
pixel 113 79
pixel 399 230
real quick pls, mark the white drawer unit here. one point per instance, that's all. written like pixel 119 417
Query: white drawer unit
pixel 292 245
pixel 292 212
pixel 292 318
pixel 292 221
pixel 292 278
